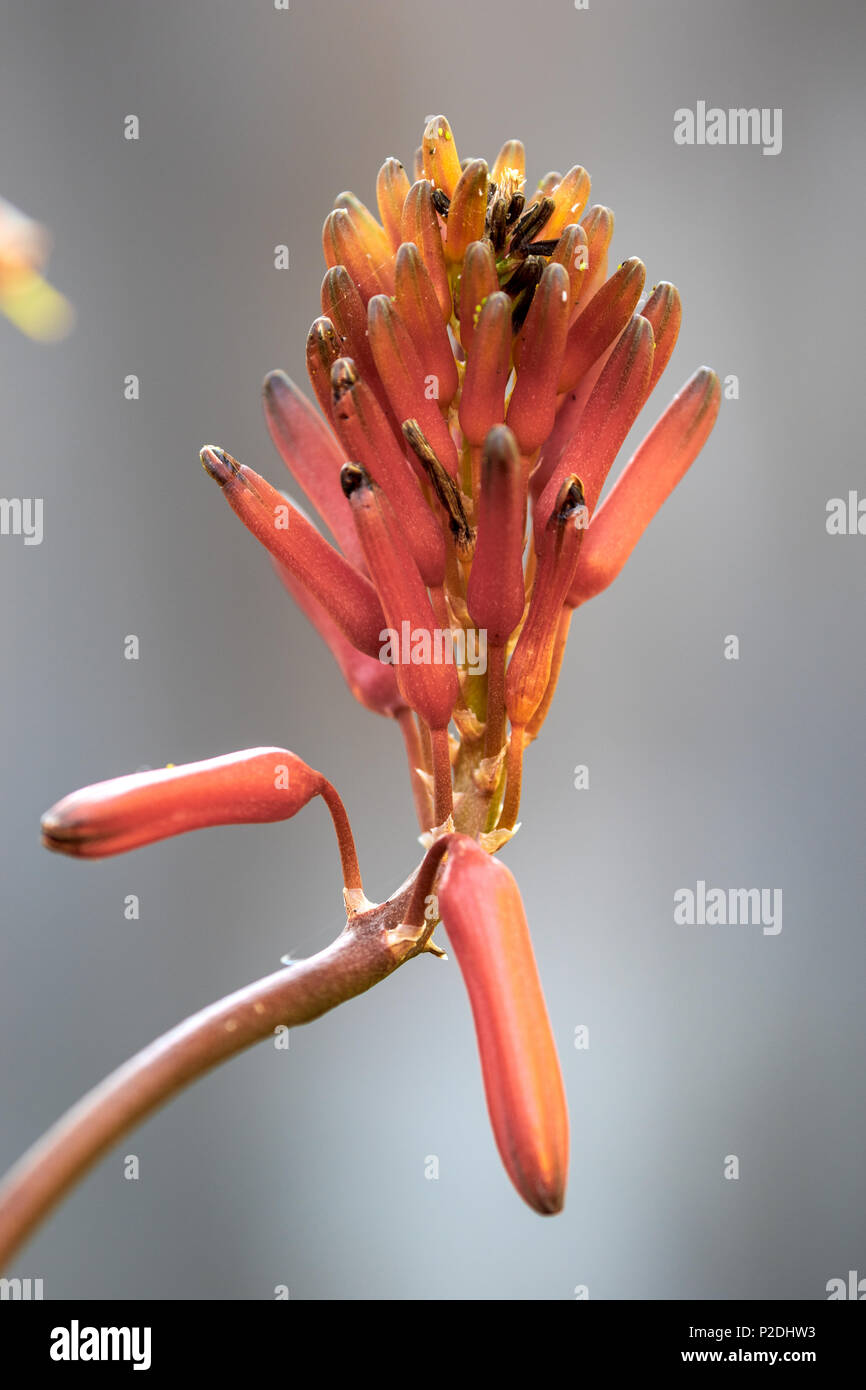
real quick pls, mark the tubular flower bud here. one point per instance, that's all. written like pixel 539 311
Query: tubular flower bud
pixel 312 455
pixel 509 167
pixel 532 407
pixel 430 687
pixel 421 225
pixel 441 160
pixel 367 437
pixel 404 379
pixel 418 307
pixel 478 280
pixel 468 211
pixel 602 322
pixel 529 668
pixel 610 413
pixel 392 185
pixel 347 596
pixel 372 236
pixel 572 254
pixel 323 349
pixel 598 226
pixel 483 914
pixel 371 681
pixel 255 785
pixel 663 311
pixel 570 197
pixel 647 480
pixel 343 244
pixel 482 400
pixel 495 595
pixel 343 305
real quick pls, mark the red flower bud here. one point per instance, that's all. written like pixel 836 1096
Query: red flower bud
pixel 367 438
pixel 572 254
pixel 495 594
pixel 349 598
pixel 532 407
pixel 255 785
pixel 418 307
pixel 597 223
pixel 344 243
pixel 323 349
pixel 468 210
pixel 478 280
pixel 481 908
pixel 663 311
pixel 482 400
pixel 602 321
pixel 313 457
pixel 403 377
pixel 427 685
pixel 647 480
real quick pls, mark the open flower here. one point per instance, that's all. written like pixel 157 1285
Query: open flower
pixel 477 372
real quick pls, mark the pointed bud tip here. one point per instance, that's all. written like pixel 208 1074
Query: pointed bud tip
pixel 218 464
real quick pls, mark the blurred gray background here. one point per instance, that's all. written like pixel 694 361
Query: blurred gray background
pixel 306 1167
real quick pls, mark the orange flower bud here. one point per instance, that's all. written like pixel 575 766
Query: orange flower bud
pixel 403 377
pixel 610 412
pixel 478 280
pixel 602 321
pixel 348 597
pixel 529 668
pixel 427 685
pixel 532 407
pixel 570 197
pixel 468 210
pixel 255 785
pixel 313 457
pixel 343 244
pixel 441 160
pixel 647 480
pixel 482 912
pixel 597 223
pixel 323 349
pixel 572 253
pixel 367 438
pixel 418 307
pixel 663 311
pixel 482 400
pixel 392 186
pixel 421 225
pixel 495 594
pixel 374 239
pixel 510 164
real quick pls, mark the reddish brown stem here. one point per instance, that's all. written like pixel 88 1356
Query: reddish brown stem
pixel 345 839
pixel 494 734
pixel 415 757
pixel 513 779
pixel 442 794
pixel 359 958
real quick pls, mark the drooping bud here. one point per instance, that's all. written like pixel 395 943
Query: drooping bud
pixel 478 280
pixel 418 307
pixel 602 321
pixel 570 197
pixel 421 225
pixel 483 914
pixel 647 480
pixel 368 438
pixel 253 786
pixel 610 412
pixel 286 534
pixel 468 210
pixel 441 160
pixel 370 680
pixel 409 390
pixel 323 349
pixel 392 185
pixel 429 686
pixel 482 400
pixel 663 311
pixel 312 456
pixel 532 407
pixel 495 593
pixel 529 668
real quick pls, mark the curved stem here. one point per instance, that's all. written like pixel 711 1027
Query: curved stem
pixel 345 839
pixel 359 958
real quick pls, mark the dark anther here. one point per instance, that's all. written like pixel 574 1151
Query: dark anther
pixel 515 208
pixel 532 221
pixel 441 202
